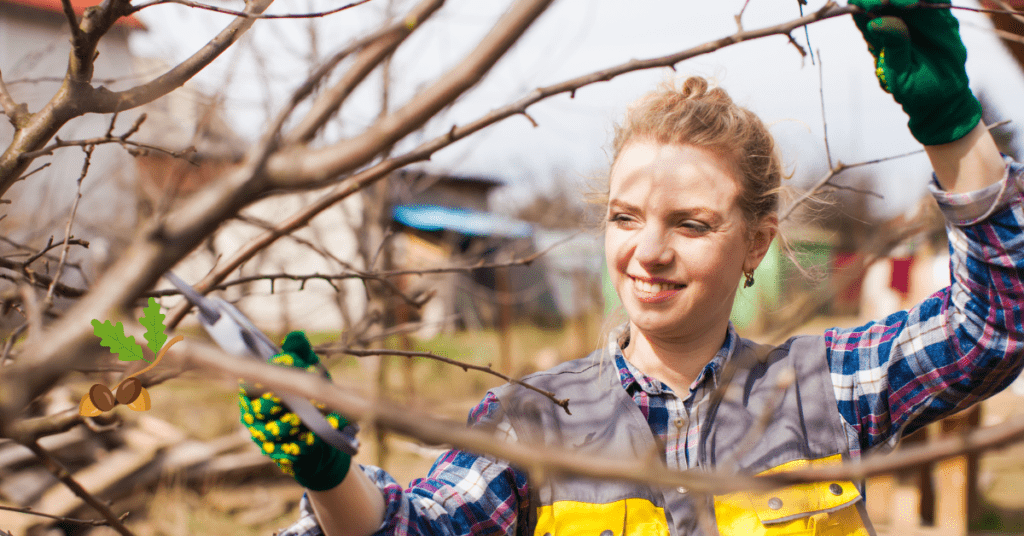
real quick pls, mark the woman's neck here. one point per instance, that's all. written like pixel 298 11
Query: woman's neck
pixel 674 362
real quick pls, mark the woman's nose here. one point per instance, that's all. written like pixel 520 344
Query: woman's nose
pixel 652 248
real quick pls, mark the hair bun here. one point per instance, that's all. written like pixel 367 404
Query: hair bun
pixel 698 88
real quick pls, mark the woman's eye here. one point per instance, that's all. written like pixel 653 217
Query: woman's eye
pixel 620 219
pixel 695 227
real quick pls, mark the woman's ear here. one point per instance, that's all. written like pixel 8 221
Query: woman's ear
pixel 760 240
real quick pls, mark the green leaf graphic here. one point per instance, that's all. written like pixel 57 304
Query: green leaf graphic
pixel 113 337
pixel 153 321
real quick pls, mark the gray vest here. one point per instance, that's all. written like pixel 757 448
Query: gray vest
pixel 793 379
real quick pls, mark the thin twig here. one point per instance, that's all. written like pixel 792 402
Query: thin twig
pixel 376 276
pixel 356 273
pixel 225 11
pixel 58 470
pixel 28 510
pixel 49 245
pixel 267 225
pixel 373 51
pixel 560 402
pixel 39 280
pixel 739 16
pixel 388 233
pixel 799 47
pixel 14 111
pixel 71 219
pixel 132 147
pixel 24 247
pixel 408 327
pixel 824 122
pixel 840 167
pixel 33 172
pixel 855 190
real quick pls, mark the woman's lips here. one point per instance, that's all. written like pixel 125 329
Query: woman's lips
pixel 654 291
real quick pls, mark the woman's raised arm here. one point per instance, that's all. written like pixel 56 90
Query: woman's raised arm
pixel 968 164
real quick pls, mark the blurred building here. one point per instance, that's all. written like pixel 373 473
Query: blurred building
pixel 444 220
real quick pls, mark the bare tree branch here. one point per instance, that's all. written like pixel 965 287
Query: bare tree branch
pixel 160 244
pixel 40 280
pixel 1008 10
pixel 76 96
pixel 560 402
pixel 69 14
pixel 371 55
pixel 1008 36
pixel 108 102
pixel 362 179
pixel 375 276
pixel 71 220
pixel 216 9
pixel 312 167
pixel 552 460
pixel 133 147
pixel 435 431
pixel 824 121
pixel 50 245
pixel 840 167
pixel 64 476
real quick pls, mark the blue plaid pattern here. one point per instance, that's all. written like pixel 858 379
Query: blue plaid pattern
pixel 891 377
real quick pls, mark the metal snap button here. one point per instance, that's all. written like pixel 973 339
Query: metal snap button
pixel 681 489
pixel 607 533
pixel 775 503
pixel 836 489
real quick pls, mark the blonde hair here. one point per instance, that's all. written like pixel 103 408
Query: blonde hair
pixel 704 116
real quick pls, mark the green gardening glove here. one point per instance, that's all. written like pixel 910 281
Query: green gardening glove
pixel 281 435
pixel 919 58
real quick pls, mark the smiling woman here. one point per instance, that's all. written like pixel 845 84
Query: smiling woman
pixel 677 242
pixel 691 212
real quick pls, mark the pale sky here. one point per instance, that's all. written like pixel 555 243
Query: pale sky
pixel 579 36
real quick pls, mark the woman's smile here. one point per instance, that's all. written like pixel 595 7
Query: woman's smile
pixel 655 291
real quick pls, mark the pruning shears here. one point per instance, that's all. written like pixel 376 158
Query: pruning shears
pixel 236 334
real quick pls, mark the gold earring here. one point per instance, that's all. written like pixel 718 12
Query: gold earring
pixel 749 282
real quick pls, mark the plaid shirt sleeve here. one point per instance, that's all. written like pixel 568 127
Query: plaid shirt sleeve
pixel 463 494
pixel 961 345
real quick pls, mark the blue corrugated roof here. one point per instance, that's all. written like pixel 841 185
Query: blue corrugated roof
pixel 465 221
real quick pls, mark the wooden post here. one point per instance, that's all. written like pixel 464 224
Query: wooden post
pixel 956 478
pixel 503 293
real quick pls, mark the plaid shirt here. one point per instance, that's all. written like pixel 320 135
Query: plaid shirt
pixel 891 377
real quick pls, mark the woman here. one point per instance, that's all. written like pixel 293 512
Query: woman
pixel 691 210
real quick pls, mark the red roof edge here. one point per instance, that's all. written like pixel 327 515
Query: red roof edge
pixel 79 6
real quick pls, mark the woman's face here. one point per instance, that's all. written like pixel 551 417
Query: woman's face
pixel 676 242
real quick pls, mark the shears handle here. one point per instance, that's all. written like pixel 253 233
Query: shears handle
pixel 236 334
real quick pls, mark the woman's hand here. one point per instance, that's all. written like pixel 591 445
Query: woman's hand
pixel 919 58
pixel 280 434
